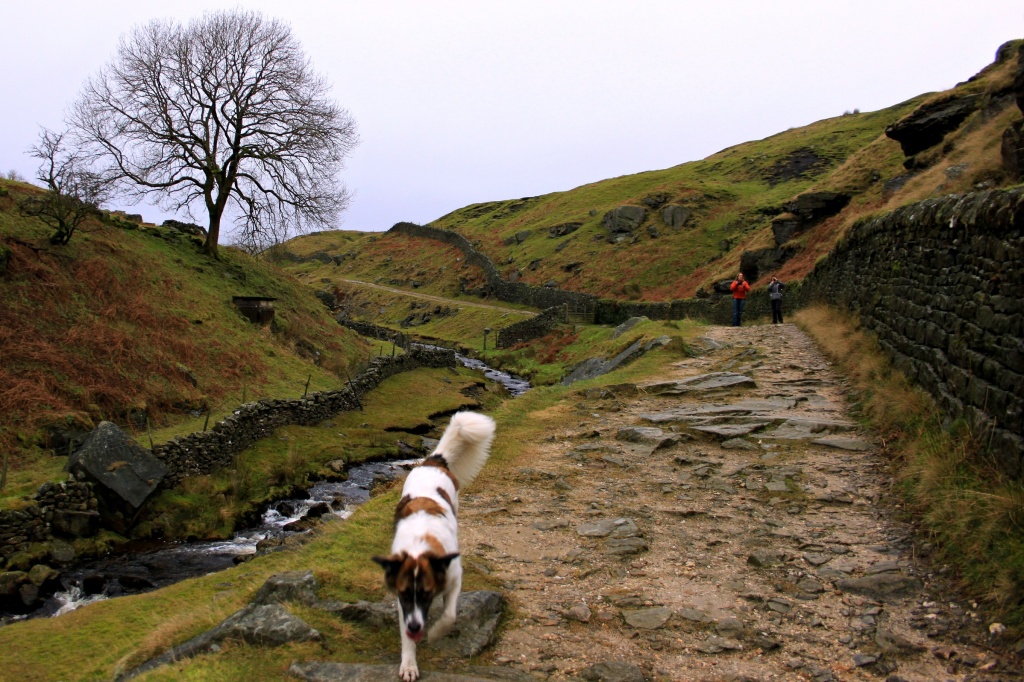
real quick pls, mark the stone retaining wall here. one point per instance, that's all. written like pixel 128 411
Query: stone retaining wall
pixel 941 284
pixel 532 328
pixel 19 527
pixel 202 453
pixel 499 288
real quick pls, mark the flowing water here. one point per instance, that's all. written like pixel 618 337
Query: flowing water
pixel 167 564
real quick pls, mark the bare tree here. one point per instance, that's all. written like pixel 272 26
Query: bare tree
pixel 74 192
pixel 225 116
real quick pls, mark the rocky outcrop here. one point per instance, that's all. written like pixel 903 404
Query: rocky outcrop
pixel 186 228
pixel 929 123
pixel 562 230
pixel 517 238
pixel 806 211
pixel 595 367
pixel 675 216
pixel 754 263
pixel 1012 148
pixel 624 219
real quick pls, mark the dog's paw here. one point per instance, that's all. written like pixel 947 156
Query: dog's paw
pixel 409 671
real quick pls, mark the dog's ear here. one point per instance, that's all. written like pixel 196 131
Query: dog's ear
pixel 391 565
pixel 440 563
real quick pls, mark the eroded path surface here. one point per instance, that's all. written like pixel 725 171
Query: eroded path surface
pixel 717 528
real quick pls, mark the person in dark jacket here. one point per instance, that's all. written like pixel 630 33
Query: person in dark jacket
pixel 775 288
pixel 739 288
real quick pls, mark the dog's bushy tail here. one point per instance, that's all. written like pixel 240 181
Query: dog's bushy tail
pixel 465 445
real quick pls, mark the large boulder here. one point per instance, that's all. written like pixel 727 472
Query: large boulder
pixel 753 263
pixel 806 211
pixel 675 216
pixel 624 219
pixel 563 229
pixel 266 625
pixel 123 473
pixel 929 123
pixel 595 367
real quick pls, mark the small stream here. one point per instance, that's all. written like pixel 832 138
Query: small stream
pixel 165 564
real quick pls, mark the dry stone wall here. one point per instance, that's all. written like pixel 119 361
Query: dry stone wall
pixel 532 328
pixel 202 453
pixel 35 523
pixel 499 288
pixel 941 283
pixel 69 508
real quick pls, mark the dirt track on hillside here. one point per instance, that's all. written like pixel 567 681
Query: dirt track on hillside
pixel 440 299
pixel 775 557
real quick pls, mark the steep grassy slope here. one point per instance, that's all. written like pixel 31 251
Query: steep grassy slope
pixel 134 325
pixel 731 200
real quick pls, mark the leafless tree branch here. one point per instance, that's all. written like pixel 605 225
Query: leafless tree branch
pixel 223 112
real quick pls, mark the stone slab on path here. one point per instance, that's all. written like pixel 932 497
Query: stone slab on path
pixel 843 443
pixel 328 671
pixel 713 381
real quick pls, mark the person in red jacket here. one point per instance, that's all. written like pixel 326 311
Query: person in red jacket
pixel 739 288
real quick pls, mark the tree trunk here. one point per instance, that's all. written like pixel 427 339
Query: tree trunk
pixel 212 235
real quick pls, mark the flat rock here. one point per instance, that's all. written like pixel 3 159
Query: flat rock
pixel 328 671
pixel 124 472
pixel 716 645
pixel 616 528
pixel 613 671
pixel 647 435
pixel 817 559
pixel 257 624
pixel 763 558
pixel 550 525
pixel 476 623
pixel 296 586
pixel 843 443
pixel 619 546
pixel 647 619
pixel 881 586
pixel 694 615
pixel 731 431
pixel 737 444
pixel 379 615
pixel 713 381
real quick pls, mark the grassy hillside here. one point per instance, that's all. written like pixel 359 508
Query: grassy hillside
pixel 111 637
pixel 732 199
pixel 132 323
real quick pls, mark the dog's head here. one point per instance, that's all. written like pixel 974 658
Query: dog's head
pixel 416 581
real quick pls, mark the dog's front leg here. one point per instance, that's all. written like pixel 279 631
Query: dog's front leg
pixel 408 671
pixel 451 603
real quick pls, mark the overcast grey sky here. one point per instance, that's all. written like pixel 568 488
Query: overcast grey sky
pixel 460 102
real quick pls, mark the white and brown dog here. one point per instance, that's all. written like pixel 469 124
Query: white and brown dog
pixel 424 561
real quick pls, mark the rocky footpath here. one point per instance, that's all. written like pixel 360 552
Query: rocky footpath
pixel 729 521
